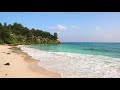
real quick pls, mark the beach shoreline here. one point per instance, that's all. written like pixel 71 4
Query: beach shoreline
pixel 74 65
pixel 21 65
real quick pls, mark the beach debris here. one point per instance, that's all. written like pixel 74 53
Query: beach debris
pixel 3 52
pixel 13 51
pixel 6 74
pixel 8 53
pixel 9 48
pixel 7 64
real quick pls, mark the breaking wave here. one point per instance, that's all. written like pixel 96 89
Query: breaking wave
pixel 72 65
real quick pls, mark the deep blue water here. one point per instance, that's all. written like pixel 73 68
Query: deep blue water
pixel 94 48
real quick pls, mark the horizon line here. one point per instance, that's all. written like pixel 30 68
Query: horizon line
pixel 90 41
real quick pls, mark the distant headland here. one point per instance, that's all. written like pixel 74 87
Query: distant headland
pixel 17 34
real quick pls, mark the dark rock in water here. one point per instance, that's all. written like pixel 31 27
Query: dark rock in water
pixel 7 64
pixel 8 53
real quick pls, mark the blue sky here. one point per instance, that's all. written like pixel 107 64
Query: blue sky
pixel 71 26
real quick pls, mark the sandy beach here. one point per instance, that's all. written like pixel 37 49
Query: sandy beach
pixel 16 64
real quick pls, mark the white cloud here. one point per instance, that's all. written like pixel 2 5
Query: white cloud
pixel 63 27
pixel 59 27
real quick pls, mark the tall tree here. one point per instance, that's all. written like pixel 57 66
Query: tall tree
pixel 55 36
pixel 5 24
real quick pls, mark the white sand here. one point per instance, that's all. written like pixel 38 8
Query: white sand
pixel 21 66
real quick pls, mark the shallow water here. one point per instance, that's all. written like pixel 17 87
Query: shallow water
pixel 105 49
pixel 77 64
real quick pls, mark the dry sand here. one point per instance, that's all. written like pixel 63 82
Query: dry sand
pixel 21 65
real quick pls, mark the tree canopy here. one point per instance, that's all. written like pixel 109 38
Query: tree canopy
pixel 18 34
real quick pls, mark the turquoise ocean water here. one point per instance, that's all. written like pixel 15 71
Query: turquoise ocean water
pixel 78 59
pixel 92 48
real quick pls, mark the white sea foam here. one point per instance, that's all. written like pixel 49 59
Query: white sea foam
pixel 71 65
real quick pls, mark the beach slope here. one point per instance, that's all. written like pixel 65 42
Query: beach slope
pixel 16 64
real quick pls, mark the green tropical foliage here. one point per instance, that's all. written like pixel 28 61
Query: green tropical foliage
pixel 18 34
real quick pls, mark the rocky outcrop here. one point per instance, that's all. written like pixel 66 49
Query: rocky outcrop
pixel 57 42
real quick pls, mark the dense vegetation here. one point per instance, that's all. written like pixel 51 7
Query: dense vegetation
pixel 18 34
